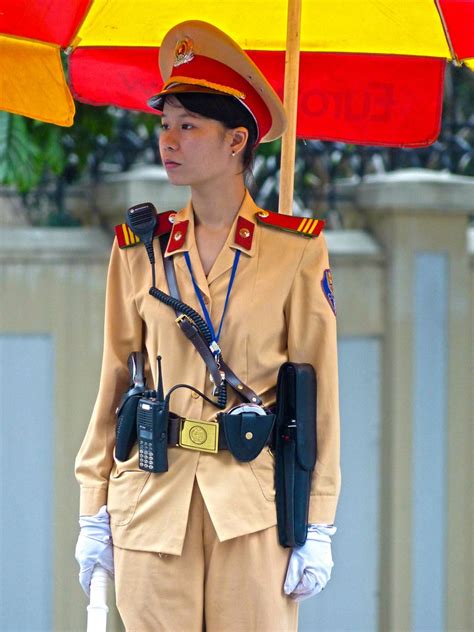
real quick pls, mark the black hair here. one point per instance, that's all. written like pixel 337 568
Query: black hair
pixel 227 110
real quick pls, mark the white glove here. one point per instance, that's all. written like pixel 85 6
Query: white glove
pixel 309 568
pixel 94 546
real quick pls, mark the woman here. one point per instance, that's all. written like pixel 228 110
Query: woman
pixel 196 547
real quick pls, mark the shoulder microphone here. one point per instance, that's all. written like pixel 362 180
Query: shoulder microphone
pixel 142 220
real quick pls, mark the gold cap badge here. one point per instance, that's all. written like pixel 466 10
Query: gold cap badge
pixel 183 52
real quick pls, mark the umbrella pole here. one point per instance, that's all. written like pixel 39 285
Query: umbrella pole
pixel 292 69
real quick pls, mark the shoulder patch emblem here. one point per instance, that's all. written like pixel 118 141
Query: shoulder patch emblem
pixel 328 289
pixel 127 238
pixel 306 226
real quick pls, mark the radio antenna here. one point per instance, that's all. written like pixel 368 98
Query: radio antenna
pixel 159 391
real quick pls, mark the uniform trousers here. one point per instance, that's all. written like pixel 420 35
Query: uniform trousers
pixel 213 586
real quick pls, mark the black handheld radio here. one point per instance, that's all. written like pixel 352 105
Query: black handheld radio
pixel 152 429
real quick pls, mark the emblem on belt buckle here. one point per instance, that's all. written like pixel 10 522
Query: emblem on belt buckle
pixel 199 435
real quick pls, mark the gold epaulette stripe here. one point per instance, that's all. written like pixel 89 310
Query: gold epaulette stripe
pixel 129 237
pixel 302 223
pixel 125 234
pixel 307 225
pixel 133 238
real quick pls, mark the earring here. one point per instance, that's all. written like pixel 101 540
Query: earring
pixel 233 153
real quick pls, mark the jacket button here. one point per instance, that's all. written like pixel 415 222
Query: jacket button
pixel 244 232
pixel 177 236
pixel 248 436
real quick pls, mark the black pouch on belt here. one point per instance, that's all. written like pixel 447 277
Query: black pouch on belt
pixel 295 450
pixel 126 431
pixel 246 433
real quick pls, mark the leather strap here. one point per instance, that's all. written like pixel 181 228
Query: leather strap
pixel 185 324
pixel 192 332
pixel 168 265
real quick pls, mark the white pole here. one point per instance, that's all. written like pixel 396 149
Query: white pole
pixel 97 609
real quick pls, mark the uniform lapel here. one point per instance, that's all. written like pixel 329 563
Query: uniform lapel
pixel 241 237
pixel 182 240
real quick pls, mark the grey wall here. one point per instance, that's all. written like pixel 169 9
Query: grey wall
pixel 350 601
pixel 26 474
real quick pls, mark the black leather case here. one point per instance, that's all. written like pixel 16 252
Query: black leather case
pixel 295 450
pixel 126 429
pixel 246 433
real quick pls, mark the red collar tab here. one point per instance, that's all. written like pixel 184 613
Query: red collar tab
pixel 178 236
pixel 127 238
pixel 244 233
pixel 306 226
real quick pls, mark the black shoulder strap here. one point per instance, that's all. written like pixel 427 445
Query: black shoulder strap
pixel 193 334
pixel 169 268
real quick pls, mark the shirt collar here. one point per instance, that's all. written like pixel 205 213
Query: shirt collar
pixel 241 235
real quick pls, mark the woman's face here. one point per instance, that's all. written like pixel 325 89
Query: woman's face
pixel 194 149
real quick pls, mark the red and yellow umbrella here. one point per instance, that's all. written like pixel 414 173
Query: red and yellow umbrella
pixel 371 71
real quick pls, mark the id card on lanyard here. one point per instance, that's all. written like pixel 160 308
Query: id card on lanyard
pixel 214 346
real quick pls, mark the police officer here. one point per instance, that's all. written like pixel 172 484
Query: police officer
pixel 196 547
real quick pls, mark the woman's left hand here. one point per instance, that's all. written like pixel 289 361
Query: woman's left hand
pixel 310 565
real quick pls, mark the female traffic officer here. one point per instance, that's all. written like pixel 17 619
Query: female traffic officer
pixel 196 547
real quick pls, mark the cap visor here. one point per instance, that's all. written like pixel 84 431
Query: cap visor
pixel 156 102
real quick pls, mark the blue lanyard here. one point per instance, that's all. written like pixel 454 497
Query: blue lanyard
pixel 215 338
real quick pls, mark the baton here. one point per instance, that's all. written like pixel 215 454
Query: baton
pixel 97 609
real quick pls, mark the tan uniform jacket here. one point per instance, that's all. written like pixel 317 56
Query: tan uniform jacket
pixel 277 312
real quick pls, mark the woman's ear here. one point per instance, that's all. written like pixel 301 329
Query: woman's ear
pixel 238 139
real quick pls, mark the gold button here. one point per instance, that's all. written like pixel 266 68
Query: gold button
pixel 171 218
pixel 240 387
pixel 194 395
pixel 177 236
pixel 244 232
pixel 248 435
pixel 264 214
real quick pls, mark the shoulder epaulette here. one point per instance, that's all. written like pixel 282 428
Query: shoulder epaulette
pixel 127 238
pixel 306 226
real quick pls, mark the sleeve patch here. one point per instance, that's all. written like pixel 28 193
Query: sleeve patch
pixel 328 289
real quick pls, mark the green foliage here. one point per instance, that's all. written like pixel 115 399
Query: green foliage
pixel 28 149
pixel 18 155
pixel 41 160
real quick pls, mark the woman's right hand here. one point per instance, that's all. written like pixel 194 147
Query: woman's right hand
pixel 94 546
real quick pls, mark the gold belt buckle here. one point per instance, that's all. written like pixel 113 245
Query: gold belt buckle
pixel 199 435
